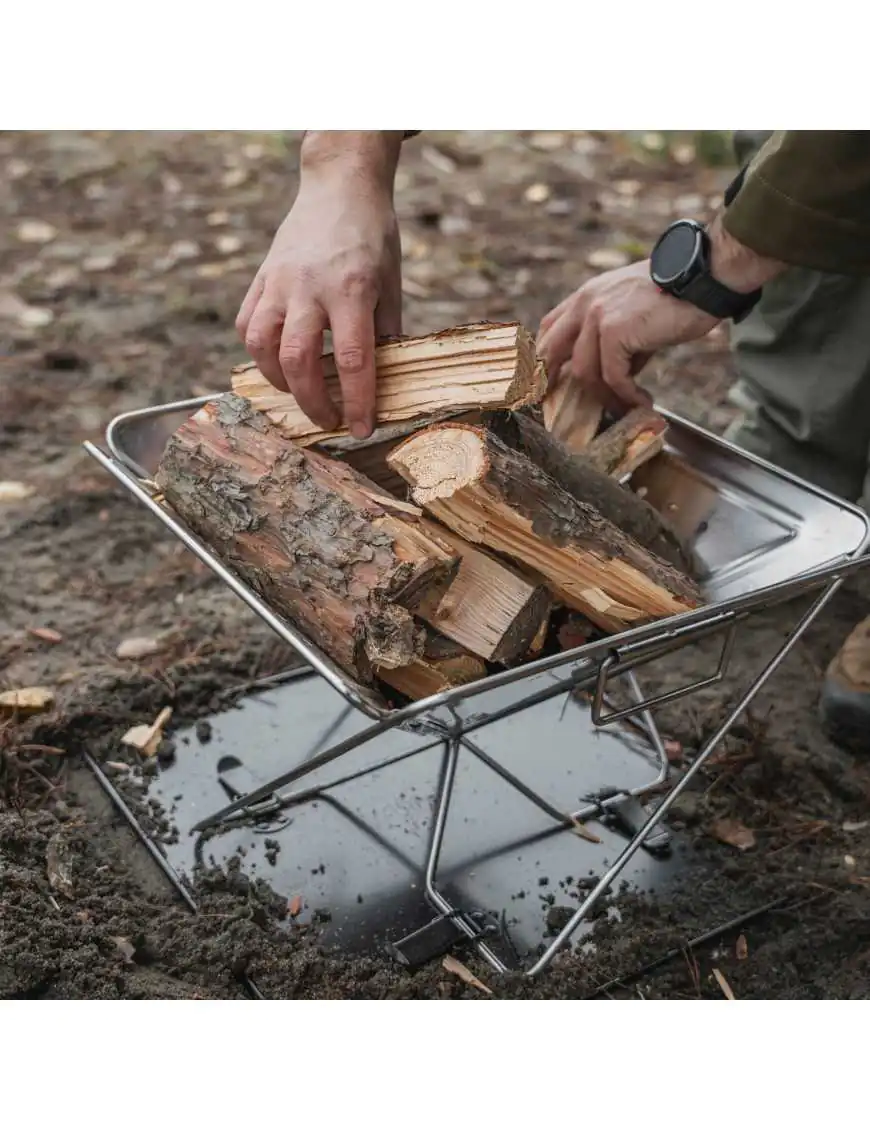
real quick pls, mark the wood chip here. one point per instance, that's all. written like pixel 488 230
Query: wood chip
pixel 49 635
pixel 126 948
pixel 723 984
pixel 59 864
pixel 26 700
pixel 732 832
pixel 582 831
pixel 136 648
pixel 294 907
pixel 454 966
pixel 11 491
pixel 741 949
pixel 674 751
pixel 146 739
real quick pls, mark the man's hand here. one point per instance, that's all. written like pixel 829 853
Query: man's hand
pixel 335 263
pixel 606 332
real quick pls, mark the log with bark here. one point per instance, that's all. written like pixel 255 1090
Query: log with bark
pixel 493 495
pixel 490 365
pixel 323 546
pixel 576 475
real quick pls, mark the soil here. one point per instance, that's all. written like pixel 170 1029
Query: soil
pixel 124 259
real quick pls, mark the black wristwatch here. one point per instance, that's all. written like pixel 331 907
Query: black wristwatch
pixel 680 266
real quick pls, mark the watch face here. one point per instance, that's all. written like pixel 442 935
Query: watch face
pixel 676 253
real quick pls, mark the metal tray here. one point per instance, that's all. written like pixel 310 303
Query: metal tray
pixel 760 535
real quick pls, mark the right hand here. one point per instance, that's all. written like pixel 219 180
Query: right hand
pixel 334 263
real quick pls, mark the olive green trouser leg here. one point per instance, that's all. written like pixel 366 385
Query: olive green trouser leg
pixel 803 364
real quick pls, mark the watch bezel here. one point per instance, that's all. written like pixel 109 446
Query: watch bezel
pixel 696 263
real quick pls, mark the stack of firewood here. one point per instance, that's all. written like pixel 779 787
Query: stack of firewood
pixel 463 535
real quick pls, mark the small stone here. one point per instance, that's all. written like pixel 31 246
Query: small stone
pixel 96 191
pixel 558 918
pixel 228 244
pixel 454 225
pixel 12 491
pixel 137 648
pixel 172 186
pixel 628 188
pixel 204 730
pixel 184 249
pixel 234 178
pixel 166 751
pixel 607 259
pixel 537 194
pixel 35 231
pixel 217 219
pixel 35 317
pixel 103 262
pixel 849 863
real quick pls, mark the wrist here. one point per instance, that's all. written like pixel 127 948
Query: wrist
pixel 735 265
pixel 371 155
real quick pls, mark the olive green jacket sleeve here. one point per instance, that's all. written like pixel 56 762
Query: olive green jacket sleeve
pixel 805 200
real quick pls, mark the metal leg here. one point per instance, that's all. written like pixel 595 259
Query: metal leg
pixel 614 871
pixel 436 898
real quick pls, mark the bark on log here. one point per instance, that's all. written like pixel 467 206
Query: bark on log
pixel 443 666
pixel 488 608
pixel 320 543
pixel 630 442
pixel 490 365
pixel 489 494
pixel 587 484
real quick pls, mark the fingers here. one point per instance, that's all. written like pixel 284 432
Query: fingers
pixel 557 344
pixel 353 337
pixel 262 335
pixel 550 319
pixel 301 367
pixel 617 371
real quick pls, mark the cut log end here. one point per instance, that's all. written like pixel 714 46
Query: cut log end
pixel 440 460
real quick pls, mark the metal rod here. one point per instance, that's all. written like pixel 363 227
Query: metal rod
pixel 440 902
pixel 123 808
pixel 636 842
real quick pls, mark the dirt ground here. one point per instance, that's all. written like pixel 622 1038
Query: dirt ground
pixel 123 259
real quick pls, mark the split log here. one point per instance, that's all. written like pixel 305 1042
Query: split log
pixel 487 365
pixel 492 495
pixel 587 484
pixel 488 608
pixel 630 442
pixel 443 666
pixel 369 457
pixel 320 543
pixel 572 415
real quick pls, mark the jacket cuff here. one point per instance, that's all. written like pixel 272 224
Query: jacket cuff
pixel 773 225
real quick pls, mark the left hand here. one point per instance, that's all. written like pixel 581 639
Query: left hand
pixel 605 333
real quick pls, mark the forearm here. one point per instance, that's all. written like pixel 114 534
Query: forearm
pixel 368 154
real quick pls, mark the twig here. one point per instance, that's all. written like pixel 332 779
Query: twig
pixel 723 984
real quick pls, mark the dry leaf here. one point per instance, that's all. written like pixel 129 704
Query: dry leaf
pixel 607 259
pixel 35 231
pixel 35 317
pixel 732 832
pixel 217 219
pixel 104 262
pixel 49 635
pixel 11 491
pixel 854 826
pixel 741 948
pixel 438 160
pixel 125 947
pixel 26 700
pixel 723 984
pixel 454 966
pixel 58 864
pixel 233 178
pixel 537 194
pixel 294 907
pixel 674 751
pixel 136 648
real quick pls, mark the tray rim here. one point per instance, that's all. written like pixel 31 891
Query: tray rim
pixel 677 629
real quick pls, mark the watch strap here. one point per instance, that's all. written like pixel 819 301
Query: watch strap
pixel 716 299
